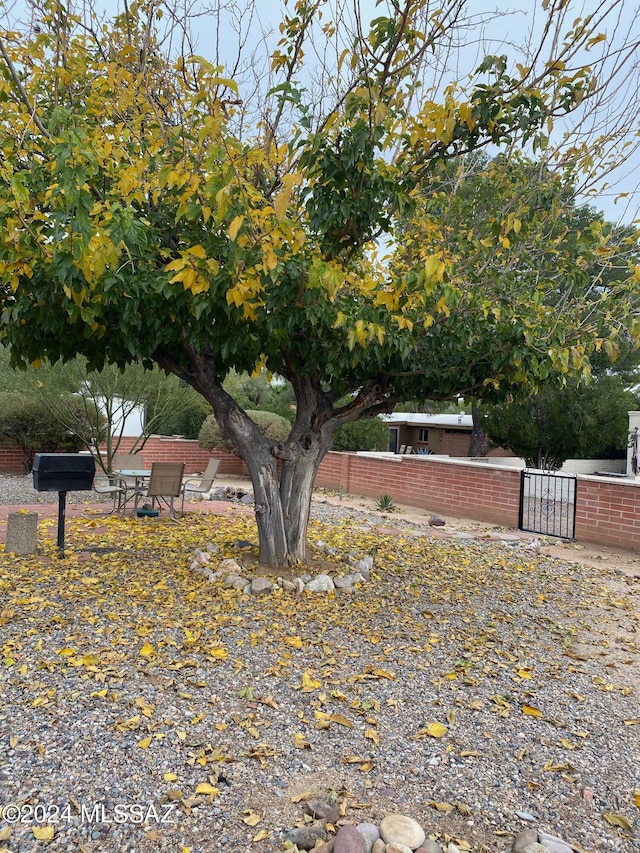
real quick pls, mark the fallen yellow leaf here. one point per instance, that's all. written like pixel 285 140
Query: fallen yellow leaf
pixel 264 833
pixel 618 820
pixel 530 711
pixel 437 730
pixel 43 833
pixel 207 788
pixel 147 651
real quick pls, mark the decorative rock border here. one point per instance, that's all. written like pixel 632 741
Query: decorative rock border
pixel 396 833
pixel 229 573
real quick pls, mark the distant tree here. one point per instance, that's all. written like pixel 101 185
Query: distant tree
pixel 548 428
pixel 187 417
pixel 26 423
pixel 372 434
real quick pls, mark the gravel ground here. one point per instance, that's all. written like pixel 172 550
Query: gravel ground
pixel 127 689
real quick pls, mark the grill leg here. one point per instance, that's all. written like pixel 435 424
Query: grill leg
pixel 62 503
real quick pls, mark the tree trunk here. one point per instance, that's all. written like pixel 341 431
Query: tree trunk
pixel 478 445
pixel 282 497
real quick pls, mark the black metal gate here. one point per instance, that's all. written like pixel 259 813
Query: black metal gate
pixel 548 503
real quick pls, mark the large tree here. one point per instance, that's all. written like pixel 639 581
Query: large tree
pixel 158 207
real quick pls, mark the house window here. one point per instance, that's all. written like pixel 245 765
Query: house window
pixel 423 434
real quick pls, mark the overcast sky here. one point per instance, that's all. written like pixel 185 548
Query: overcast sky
pixel 501 28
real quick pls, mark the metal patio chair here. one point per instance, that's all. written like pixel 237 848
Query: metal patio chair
pixel 200 483
pixel 165 484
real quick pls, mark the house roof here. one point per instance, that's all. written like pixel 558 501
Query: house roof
pixel 423 419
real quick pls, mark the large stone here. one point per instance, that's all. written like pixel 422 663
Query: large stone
pixel 553 844
pixel 536 847
pixel 348 840
pixel 429 846
pixel 379 847
pixel 305 837
pixel 322 809
pixel 370 834
pixel 21 532
pixel 398 847
pixel 231 566
pixel 402 829
pixel 321 583
pixel 524 839
pixel 261 586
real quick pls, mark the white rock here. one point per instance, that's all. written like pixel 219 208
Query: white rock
pixel 402 829
pixel 230 566
pixel 299 585
pixel 321 583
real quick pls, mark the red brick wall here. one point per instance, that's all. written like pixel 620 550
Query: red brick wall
pixel 438 485
pixel 161 448
pixel 11 460
pixel 608 512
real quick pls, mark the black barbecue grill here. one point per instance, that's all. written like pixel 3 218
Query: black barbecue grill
pixel 62 473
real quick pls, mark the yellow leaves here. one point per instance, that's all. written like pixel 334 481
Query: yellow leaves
pixel 143 706
pixel 300 741
pixel 363 334
pixel 43 833
pixel 130 724
pixel 435 730
pixel 147 651
pixel 281 204
pixel 434 270
pixel 308 682
pixel 145 743
pixel 218 653
pixel 465 114
pixel 371 672
pixel 530 711
pixel 294 642
pixel 207 788
pixel 234 228
pixel 261 836
pixel 373 735
pixel 618 820
pixel 325 720
pixel 251 818
pixel 636 798
pixel 169 777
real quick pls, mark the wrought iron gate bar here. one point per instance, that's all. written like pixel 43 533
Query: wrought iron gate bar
pixel 548 503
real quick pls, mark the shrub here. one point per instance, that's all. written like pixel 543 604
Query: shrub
pixel 273 426
pixel 368 434
pixel 28 423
